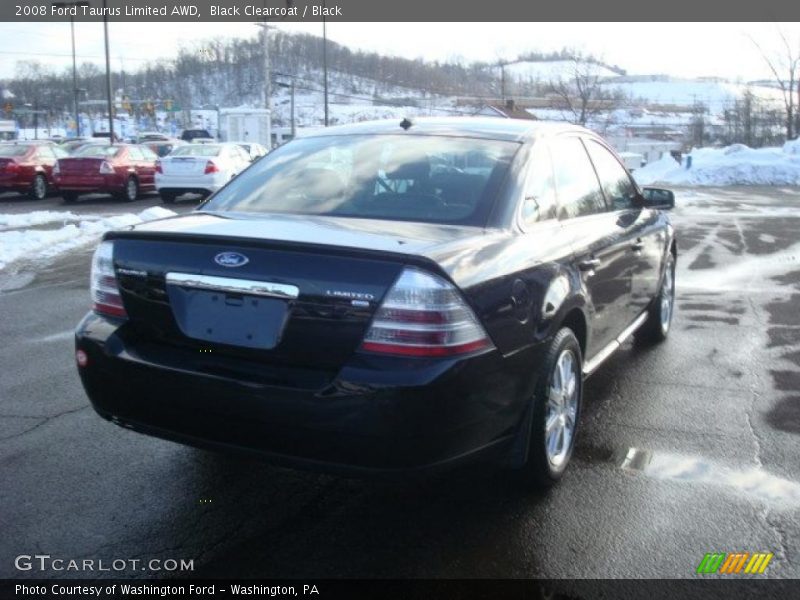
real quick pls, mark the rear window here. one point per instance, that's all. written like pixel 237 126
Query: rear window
pixel 98 151
pixel 197 150
pixel 9 150
pixel 433 179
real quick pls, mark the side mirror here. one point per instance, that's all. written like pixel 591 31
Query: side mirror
pixel 658 198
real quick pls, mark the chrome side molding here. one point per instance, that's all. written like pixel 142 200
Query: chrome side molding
pixel 229 285
pixel 590 366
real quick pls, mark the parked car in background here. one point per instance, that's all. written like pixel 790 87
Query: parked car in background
pixel 254 150
pixel 27 167
pixel 122 170
pixel 163 147
pixel 187 135
pixel 344 306
pixel 72 146
pixel 198 169
pixel 147 136
pixel 105 135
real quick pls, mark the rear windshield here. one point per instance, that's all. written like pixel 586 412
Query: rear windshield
pixel 433 179
pixel 13 150
pixel 98 151
pixel 197 150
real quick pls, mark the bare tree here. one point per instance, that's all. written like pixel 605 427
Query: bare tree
pixel 785 66
pixel 580 92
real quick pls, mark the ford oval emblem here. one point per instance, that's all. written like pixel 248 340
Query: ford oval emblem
pixel 231 259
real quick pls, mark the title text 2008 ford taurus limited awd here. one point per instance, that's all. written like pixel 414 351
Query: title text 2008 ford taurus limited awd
pixel 385 297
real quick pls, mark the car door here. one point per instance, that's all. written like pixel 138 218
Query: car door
pixel 601 249
pixel 148 166
pixel 642 230
pixel 46 159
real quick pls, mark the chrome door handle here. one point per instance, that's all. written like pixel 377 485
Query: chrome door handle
pixel 589 264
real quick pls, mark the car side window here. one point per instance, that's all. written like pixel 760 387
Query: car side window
pixel 45 152
pixel 614 179
pixel 135 154
pixel 578 189
pixel 539 201
pixel 149 154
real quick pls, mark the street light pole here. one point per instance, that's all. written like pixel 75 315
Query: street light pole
pixel 108 77
pixel 325 62
pixel 75 90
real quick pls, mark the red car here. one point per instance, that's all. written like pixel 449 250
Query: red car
pixel 27 167
pixel 122 170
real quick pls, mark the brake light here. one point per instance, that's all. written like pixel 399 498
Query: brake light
pixel 424 315
pixel 106 168
pixel 12 166
pixel 158 167
pixel 211 167
pixel 106 299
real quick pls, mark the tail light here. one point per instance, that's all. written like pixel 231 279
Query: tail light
pixel 11 166
pixel 105 289
pixel 158 167
pixel 106 168
pixel 211 167
pixel 424 315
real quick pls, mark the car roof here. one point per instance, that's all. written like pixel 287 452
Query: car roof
pixel 493 128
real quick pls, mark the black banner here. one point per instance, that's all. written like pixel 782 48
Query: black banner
pixel 408 10
pixel 463 589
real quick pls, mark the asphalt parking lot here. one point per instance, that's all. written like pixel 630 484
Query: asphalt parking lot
pixel 686 448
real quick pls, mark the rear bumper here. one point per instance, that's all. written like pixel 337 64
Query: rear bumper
pixel 377 416
pixel 101 184
pixel 209 183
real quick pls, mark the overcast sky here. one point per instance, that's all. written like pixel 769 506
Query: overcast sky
pixel 680 49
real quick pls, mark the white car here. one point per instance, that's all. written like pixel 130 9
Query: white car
pixel 198 169
pixel 255 150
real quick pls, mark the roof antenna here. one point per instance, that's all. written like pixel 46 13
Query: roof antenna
pixel 406 123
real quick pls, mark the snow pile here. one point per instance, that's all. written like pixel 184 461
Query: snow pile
pixel 37 244
pixel 733 165
pixel 37 217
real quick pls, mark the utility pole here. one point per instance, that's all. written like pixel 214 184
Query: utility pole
pixel 325 60
pixel 108 77
pixel 294 131
pixel 267 76
pixel 75 90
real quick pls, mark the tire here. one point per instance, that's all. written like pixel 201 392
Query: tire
pixel 38 188
pixel 556 402
pixel 131 190
pixel 659 318
pixel 168 197
pixel 69 197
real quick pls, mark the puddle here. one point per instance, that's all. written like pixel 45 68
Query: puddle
pixel 665 465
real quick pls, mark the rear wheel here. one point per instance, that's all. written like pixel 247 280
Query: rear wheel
pixel 131 190
pixel 39 188
pixel 69 197
pixel 659 319
pixel 556 407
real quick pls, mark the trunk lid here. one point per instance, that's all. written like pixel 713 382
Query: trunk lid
pixel 181 280
pixel 80 166
pixel 184 166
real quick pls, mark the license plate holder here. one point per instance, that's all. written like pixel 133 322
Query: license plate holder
pixel 234 319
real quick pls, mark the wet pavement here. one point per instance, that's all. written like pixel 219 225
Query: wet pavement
pixel 685 448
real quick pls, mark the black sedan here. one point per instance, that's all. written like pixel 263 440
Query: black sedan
pixel 387 297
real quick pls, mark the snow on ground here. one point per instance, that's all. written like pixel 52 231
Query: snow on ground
pixel 732 165
pixel 37 217
pixel 32 244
